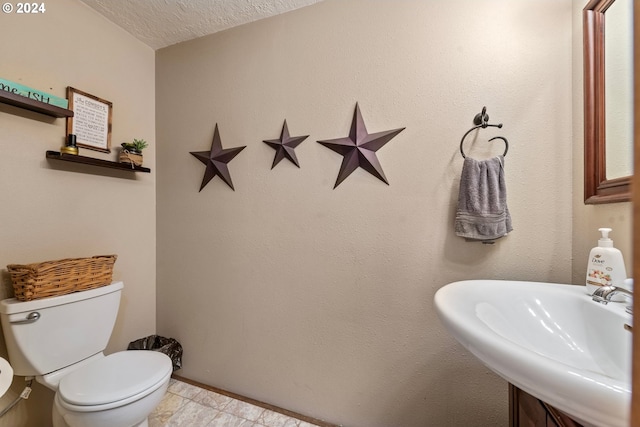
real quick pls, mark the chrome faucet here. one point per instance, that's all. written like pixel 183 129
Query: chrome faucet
pixel 604 294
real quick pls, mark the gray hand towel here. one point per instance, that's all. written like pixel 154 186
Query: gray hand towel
pixel 482 212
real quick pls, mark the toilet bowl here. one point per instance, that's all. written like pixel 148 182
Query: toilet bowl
pixel 60 341
pixel 121 389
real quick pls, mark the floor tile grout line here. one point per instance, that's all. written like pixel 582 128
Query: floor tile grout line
pixel 182 402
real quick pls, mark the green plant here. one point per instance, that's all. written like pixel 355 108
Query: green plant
pixel 137 145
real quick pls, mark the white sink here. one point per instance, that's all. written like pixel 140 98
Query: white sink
pixel 6 376
pixel 550 340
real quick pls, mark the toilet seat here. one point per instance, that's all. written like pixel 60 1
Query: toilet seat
pixel 115 380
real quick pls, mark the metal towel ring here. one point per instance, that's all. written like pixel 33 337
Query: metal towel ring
pixel 506 143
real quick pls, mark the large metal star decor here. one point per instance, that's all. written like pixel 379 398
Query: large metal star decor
pixel 216 160
pixel 285 146
pixel 359 149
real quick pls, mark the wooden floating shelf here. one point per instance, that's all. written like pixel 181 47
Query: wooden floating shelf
pixel 33 105
pixel 55 155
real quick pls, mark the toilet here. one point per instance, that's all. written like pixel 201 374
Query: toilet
pixel 60 341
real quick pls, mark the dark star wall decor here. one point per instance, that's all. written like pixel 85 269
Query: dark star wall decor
pixel 285 146
pixel 216 160
pixel 359 149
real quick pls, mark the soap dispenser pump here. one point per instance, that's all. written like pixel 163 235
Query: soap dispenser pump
pixel 606 264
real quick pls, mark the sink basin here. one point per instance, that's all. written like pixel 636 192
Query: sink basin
pixel 6 376
pixel 550 340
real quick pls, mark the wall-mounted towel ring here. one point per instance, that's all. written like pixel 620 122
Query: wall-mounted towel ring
pixel 481 121
pixel 506 143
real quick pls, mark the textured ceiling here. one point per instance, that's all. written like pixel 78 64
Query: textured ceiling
pixel 161 23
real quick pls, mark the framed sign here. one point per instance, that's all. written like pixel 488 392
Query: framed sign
pixel 91 121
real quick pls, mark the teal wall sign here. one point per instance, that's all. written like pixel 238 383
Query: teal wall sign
pixel 27 92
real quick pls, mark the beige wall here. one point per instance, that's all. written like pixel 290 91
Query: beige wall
pixel 314 299
pixel 588 218
pixel 53 211
pixel 320 300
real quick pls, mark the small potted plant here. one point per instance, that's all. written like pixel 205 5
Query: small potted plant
pixel 132 152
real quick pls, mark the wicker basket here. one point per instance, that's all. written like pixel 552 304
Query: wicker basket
pixel 52 278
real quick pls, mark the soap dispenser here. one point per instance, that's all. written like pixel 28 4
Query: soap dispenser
pixel 606 265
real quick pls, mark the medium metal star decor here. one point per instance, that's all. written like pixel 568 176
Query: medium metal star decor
pixel 216 160
pixel 359 149
pixel 285 146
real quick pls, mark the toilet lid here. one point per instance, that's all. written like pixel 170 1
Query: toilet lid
pixel 114 377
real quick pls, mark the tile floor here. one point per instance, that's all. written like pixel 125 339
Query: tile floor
pixel 186 405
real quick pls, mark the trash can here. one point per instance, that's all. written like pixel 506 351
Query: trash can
pixel 168 346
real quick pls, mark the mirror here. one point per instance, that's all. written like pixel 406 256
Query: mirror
pixel 608 120
pixel 618 84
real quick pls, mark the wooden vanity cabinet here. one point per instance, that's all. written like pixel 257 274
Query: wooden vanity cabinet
pixel 528 411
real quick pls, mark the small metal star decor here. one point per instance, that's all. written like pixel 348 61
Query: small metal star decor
pixel 285 146
pixel 216 160
pixel 359 149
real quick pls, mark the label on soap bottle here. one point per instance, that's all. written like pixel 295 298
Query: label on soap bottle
pixel 599 276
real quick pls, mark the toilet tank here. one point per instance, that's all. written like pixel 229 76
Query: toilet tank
pixel 68 328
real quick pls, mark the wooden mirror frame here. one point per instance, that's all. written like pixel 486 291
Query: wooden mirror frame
pixel 597 188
